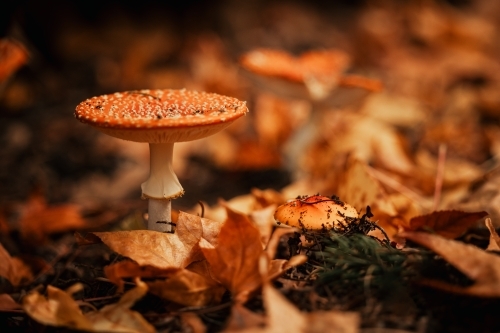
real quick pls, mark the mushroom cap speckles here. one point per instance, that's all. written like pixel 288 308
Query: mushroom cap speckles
pixel 316 213
pixel 160 115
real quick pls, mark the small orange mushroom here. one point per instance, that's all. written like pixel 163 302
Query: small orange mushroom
pixel 320 71
pixel 317 213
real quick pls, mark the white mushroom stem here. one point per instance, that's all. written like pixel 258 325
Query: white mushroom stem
pixel 160 210
pixel 161 186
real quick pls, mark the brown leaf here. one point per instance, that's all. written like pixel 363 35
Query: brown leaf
pixel 14 269
pixel 263 219
pixel 118 317
pixel 59 309
pixel 131 269
pixel 242 319
pixel 7 303
pixel 38 220
pixel 278 266
pixel 447 223
pixel 234 261
pixel 359 188
pixel 477 264
pixel 12 56
pixel 193 322
pixel 494 244
pixel 188 288
pixel 282 316
pixel 158 249
pixel 266 198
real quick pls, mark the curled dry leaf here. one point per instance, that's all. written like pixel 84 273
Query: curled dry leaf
pixel 192 323
pixel 244 320
pixel 188 288
pixel 447 223
pixel 7 303
pixel 191 287
pixel 60 309
pixel 476 264
pixel 360 189
pixel 14 269
pixel 131 269
pixel 494 244
pixel 278 266
pixel 158 249
pixel 234 261
pixel 12 56
pixel 38 220
pixel 264 221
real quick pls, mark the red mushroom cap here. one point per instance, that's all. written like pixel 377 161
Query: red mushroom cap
pixel 316 212
pixel 160 115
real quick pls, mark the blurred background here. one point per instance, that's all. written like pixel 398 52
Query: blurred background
pixel 437 60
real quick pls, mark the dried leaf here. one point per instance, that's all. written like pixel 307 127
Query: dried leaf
pixel 194 323
pixel 359 188
pixel 59 309
pixel 7 303
pixel 188 288
pixel 494 244
pixel 118 317
pixel 244 320
pixel 158 249
pixel 234 261
pixel 268 197
pixel 264 221
pixel 38 220
pixel 282 316
pixel 278 266
pixel 14 269
pixel 447 223
pixel 12 56
pixel 131 269
pixel 478 265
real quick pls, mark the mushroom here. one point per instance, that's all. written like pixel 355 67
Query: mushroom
pixel 315 76
pixel 161 118
pixel 317 212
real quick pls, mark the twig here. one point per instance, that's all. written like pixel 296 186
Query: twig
pixel 438 185
pixel 202 208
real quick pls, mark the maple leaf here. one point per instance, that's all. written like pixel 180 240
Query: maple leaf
pixel 234 262
pixel 158 249
pixel 447 223
pixel 475 263
pixel 60 309
pixel 14 269
pixel 38 220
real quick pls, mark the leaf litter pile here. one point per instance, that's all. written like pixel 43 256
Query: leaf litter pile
pixel 359 194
